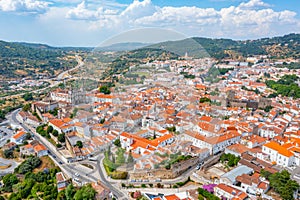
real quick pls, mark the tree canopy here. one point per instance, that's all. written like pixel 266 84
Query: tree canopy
pixel 104 89
pixel 283 185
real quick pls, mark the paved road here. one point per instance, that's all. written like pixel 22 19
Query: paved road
pixel 52 83
pixel 69 169
pixel 6 134
pixel 4 162
pixel 80 64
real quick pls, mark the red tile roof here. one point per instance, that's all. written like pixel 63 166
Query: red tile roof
pixel 19 134
pixel 280 149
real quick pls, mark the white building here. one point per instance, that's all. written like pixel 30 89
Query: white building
pixel 277 154
pixel 215 144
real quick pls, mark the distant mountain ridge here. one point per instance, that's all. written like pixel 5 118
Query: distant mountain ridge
pixel 21 59
pixel 277 47
pixel 126 46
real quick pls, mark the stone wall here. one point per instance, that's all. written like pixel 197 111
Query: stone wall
pixel 162 173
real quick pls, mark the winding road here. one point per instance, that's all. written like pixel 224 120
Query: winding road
pixel 71 168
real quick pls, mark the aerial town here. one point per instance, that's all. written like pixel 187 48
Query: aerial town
pixel 150 100
pixel 184 132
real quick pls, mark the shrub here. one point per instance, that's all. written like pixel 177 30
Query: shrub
pixel 119 175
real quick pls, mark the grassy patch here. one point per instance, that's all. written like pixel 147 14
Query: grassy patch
pixel 88 166
pixel 47 162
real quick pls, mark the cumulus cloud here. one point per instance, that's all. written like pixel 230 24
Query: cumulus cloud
pixel 254 4
pixel 181 15
pixel 251 19
pixel 81 12
pixel 24 6
pixel 139 9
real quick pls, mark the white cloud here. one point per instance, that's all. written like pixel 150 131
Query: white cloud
pixel 24 6
pixel 253 4
pixel 92 24
pixel 253 18
pixel 82 12
pixel 181 15
pixel 139 9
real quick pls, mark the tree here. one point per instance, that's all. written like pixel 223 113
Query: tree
pixel 61 195
pixel 117 142
pixel 102 121
pixel 154 135
pixel 9 180
pixel 283 185
pixel 54 111
pixel 26 107
pixel 28 97
pixel 74 113
pixel 8 153
pixel 49 129
pixel 28 165
pixel 104 89
pixel 120 156
pixel 130 157
pixel 70 191
pixel 28 136
pixel 265 174
pixel 61 138
pixel 232 159
pixel 85 192
pixel 55 133
pixel 204 99
pixel 79 144
pixel 171 129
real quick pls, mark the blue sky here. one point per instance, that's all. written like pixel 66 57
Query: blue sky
pixel 90 22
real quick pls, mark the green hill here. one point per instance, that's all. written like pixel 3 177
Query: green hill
pixel 18 60
pixel 276 47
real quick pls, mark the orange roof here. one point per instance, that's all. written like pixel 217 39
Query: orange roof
pixel 104 96
pixel 227 136
pixel 48 115
pixel 60 177
pixel 230 190
pixel 145 143
pixel 28 146
pixel 205 118
pixel 78 124
pixel 206 126
pixel 66 120
pixel 57 122
pixel 239 148
pixel 256 139
pixel 280 149
pixel 201 87
pixel 19 134
pixel 39 147
pixel 172 197
pixel 263 185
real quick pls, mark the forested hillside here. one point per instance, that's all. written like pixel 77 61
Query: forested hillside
pixel 277 47
pixel 19 60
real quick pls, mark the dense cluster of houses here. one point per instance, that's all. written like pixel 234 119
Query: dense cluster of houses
pixel 166 115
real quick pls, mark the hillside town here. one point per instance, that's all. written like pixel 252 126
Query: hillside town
pixel 225 134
